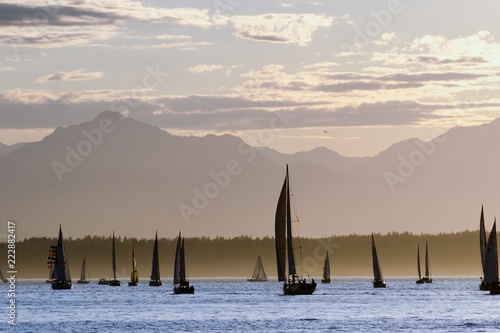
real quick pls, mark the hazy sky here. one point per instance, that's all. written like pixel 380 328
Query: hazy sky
pixel 354 76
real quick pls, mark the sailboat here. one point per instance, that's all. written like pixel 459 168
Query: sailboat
pixel 155 267
pixel 293 284
pixel 134 277
pixel 259 274
pixel 378 279
pixel 483 247
pixel 62 277
pixel 113 282
pixel 426 278
pixel 326 270
pixel 491 262
pixel 83 274
pixel 180 270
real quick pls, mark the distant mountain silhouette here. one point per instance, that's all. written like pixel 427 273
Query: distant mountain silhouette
pixel 5 149
pixel 116 173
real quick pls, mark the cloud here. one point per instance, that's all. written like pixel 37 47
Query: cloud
pixel 76 75
pixel 55 24
pixel 279 28
pixel 204 68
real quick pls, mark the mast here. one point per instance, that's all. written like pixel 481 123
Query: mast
pixel 155 267
pixel 482 241
pixel 280 231
pixel 326 268
pixel 427 270
pixel 289 243
pixel 377 273
pixel 418 262
pixel 177 263
pixel 183 262
pixel 113 260
pixel 491 260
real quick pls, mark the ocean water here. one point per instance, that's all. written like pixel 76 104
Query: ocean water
pixel 235 305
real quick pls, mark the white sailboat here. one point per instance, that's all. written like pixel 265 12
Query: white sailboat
pixel 62 277
pixel 293 284
pixel 114 282
pixel 326 270
pixel 180 270
pixel 426 278
pixel 259 274
pixel 155 267
pixel 84 274
pixel 378 279
pixel 491 262
pixel 134 277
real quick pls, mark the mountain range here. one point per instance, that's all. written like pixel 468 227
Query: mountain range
pixel 116 173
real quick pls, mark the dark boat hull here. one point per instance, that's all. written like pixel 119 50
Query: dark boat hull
pixel 326 280
pixel 132 284
pixel 114 283
pixel 256 280
pixel 155 283
pixel 379 284
pixel 423 280
pixel 299 288
pixel 83 281
pixel 184 290
pixel 61 285
pixel 103 282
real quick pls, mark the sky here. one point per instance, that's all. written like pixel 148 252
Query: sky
pixel 352 76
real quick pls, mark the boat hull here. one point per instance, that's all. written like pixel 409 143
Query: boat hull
pixel 83 281
pixel 423 280
pixel 299 288
pixel 61 285
pixel 155 283
pixel 103 282
pixel 485 286
pixel 114 283
pixel 495 288
pixel 186 289
pixel 326 280
pixel 256 280
pixel 132 284
pixel 379 284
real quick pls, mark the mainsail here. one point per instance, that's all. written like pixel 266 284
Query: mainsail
pixel 491 257
pixel 2 277
pixel 61 269
pixel 134 277
pixel 180 261
pixel 427 267
pixel 280 231
pixel 377 272
pixel 83 272
pixel 113 259
pixel 326 268
pixel 418 262
pixel 482 241
pixel 155 267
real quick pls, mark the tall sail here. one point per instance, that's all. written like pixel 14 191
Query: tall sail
pixel 61 269
pixel 258 271
pixel 82 272
pixel 113 259
pixel 482 240
pixel 280 231
pixel 427 269
pixel 177 263
pixel 491 257
pixel 155 267
pixel 134 277
pixel 418 262
pixel 326 268
pixel 377 273
pixel 183 262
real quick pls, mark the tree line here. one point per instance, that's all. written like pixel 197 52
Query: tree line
pixel 350 255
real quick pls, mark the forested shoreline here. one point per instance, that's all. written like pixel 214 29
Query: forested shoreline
pixel 452 254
